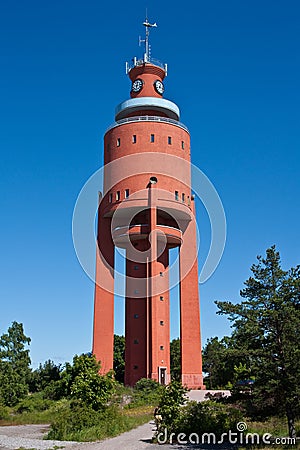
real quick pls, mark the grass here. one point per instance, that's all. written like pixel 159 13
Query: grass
pixel 79 423
pixel 277 426
pixel 108 428
pixel 18 416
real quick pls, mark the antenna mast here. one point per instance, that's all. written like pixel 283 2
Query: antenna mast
pixel 148 25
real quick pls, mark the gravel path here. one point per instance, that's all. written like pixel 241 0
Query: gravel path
pixel 31 437
pixel 28 437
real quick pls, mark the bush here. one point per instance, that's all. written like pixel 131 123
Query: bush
pixel 4 412
pixel 33 403
pixel 54 391
pixel 80 422
pixel 172 399
pixel 146 385
pixel 146 392
pixel 72 418
pixel 208 417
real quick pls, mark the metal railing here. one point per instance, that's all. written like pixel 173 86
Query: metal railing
pixel 140 61
pixel 147 119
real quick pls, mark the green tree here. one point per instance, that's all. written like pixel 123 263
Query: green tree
pixel 119 357
pixel 83 382
pixel 175 359
pixel 220 357
pixel 172 399
pixel 42 377
pixel 214 363
pixel 266 331
pixel 14 364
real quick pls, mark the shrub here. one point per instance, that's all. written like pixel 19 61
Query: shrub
pixel 147 385
pixel 172 399
pixel 54 391
pixel 146 392
pixel 72 418
pixel 80 422
pixel 33 403
pixel 208 417
pixel 4 412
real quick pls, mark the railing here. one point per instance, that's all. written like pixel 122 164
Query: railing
pixel 126 227
pixel 139 62
pixel 147 119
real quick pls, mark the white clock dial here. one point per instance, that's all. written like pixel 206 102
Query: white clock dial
pixel 159 87
pixel 137 85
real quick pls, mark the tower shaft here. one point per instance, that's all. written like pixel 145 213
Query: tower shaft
pixel 147 209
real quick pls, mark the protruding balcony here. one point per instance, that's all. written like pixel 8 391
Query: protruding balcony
pixel 123 235
pixel 147 119
pixel 161 105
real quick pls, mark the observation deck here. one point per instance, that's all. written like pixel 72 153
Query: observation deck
pixel 147 119
pixel 160 105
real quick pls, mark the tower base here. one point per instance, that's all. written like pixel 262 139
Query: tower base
pixel 192 381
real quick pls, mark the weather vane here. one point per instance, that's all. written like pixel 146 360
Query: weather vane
pixel 145 41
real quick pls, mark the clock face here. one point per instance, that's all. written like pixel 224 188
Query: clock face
pixel 159 87
pixel 137 85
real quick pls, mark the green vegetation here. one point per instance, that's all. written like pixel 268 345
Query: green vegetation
pixel 80 404
pixel 146 392
pixel 119 358
pixel 181 416
pixel 175 359
pixel 259 363
pixel 14 365
pixel 266 328
pixel 81 423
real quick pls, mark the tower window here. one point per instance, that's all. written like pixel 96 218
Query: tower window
pixel 134 139
pixel 136 341
pixel 135 316
pixel 161 274
pixel 161 347
pixel 152 138
pixel 118 142
pixel 126 193
pixel 161 298
pixel 176 195
pixel 182 145
pixel 108 147
pixel 118 196
pixel 135 367
pixel 183 197
pixel 110 198
pixel 136 291
pixel 161 323
pixel 136 268
pixel 169 140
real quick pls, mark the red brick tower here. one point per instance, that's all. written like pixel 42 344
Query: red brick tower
pixel 148 208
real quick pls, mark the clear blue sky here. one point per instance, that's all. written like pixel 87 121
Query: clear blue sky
pixel 234 71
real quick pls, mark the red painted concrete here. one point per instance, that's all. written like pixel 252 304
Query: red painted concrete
pixel 148 212
pixel 149 74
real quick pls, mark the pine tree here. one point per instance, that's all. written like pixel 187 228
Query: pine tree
pixel 14 364
pixel 266 329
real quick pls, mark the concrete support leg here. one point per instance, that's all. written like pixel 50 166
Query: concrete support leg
pixel 103 335
pixel 191 357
